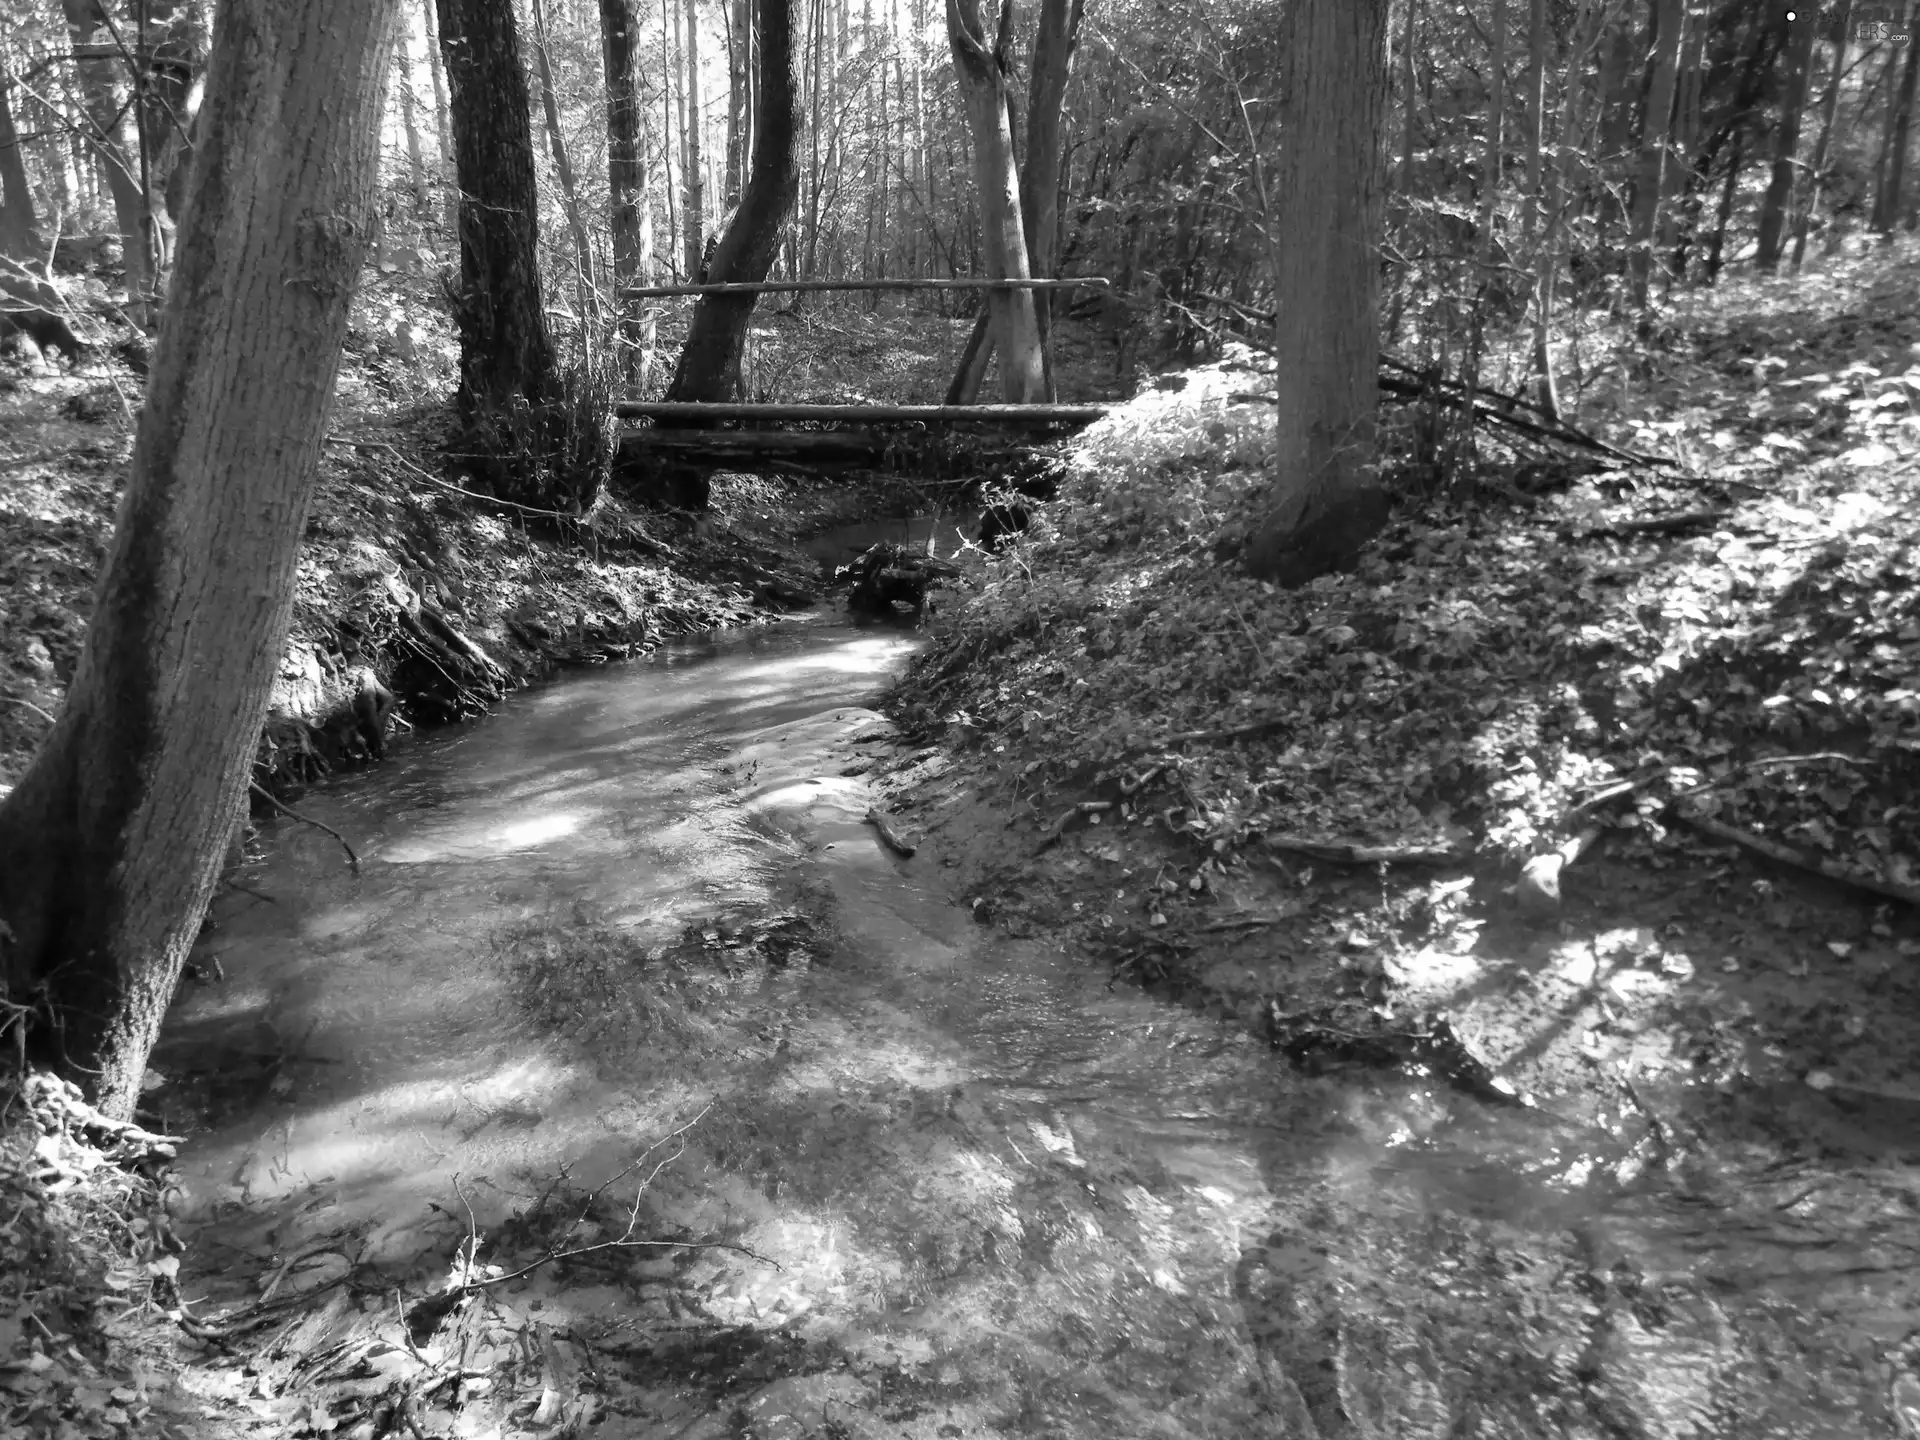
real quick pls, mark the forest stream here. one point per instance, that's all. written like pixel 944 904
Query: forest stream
pixel 632 931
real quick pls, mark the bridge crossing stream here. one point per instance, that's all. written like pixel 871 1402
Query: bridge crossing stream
pixel 626 949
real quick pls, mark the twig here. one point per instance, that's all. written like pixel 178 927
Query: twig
pixel 1785 854
pixel 29 705
pixel 1660 772
pixel 896 842
pixel 1059 826
pixel 448 485
pixel 1365 854
pixel 353 860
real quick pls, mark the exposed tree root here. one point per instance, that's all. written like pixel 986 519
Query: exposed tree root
pixel 353 860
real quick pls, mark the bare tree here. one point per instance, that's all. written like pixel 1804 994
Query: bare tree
pixel 1786 143
pixel 111 844
pixel 628 181
pixel 16 198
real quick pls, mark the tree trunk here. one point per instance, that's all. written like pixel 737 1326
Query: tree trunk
pixel 693 165
pixel 1786 144
pixel 981 73
pixel 510 392
pixel 17 220
pixel 1886 204
pixel 1325 501
pixel 1717 246
pixel 709 365
pixel 1655 123
pixel 1496 141
pixel 1573 120
pixel 99 80
pixel 1829 108
pixel 1536 116
pixel 416 161
pixel 563 162
pixel 739 97
pixel 627 185
pixel 1054 41
pixel 111 845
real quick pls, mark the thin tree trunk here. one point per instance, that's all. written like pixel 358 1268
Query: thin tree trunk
pixel 1325 501
pixel 1496 139
pixel 981 72
pixel 1829 108
pixel 670 62
pixel 1886 207
pixel 416 161
pixel 1775 208
pixel 1717 247
pixel 739 96
pixel 17 220
pixel 442 113
pixel 630 207
pixel 694 166
pixel 1650 180
pixel 99 80
pixel 112 843
pixel 563 162
pixel 1536 116
pixel 709 365
pixel 1573 115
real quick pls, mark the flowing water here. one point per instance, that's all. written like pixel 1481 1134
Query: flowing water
pixel 984 1191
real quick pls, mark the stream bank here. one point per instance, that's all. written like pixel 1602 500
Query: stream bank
pixel 722 1119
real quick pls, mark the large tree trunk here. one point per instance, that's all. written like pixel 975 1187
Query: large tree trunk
pixel 628 185
pixel 17 219
pixel 1325 501
pixel 110 847
pixel 1775 208
pixel 1655 125
pixel 982 76
pixel 709 364
pixel 510 393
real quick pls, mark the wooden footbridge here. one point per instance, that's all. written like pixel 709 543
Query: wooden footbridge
pixel 774 434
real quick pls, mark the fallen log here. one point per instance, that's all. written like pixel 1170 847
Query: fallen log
pixel 1785 854
pixel 1366 854
pixel 834 414
pixel 896 842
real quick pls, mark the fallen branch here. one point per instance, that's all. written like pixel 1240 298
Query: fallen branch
pixel 1660 772
pixel 1655 525
pixel 353 860
pixel 1059 826
pixel 28 705
pixel 1365 854
pixel 1785 854
pixel 896 842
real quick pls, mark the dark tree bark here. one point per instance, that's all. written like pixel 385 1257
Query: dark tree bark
pixel 111 845
pixel 1649 185
pixel 511 399
pixel 694 170
pixel 1325 501
pixel 17 219
pixel 709 365
pixel 1776 206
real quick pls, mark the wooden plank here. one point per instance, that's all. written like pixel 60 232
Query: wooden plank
pixel 814 287
pixel 867 414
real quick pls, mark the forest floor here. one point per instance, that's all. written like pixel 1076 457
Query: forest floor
pixel 1307 812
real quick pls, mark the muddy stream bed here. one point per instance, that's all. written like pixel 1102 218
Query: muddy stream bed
pixel 631 931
